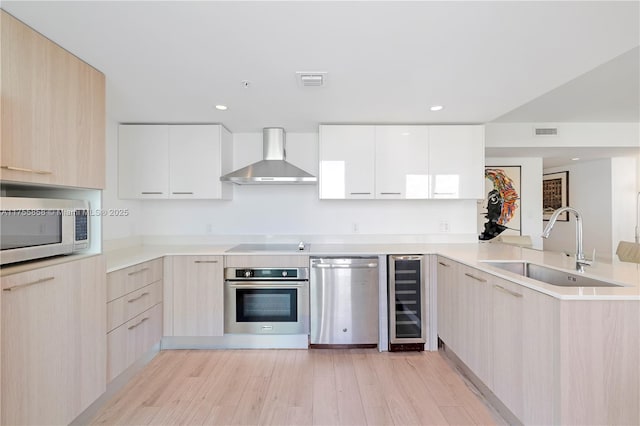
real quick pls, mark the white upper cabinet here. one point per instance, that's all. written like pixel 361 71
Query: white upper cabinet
pixel 143 161
pixel 174 161
pixel 456 162
pixel 195 166
pixel 402 162
pixel 347 161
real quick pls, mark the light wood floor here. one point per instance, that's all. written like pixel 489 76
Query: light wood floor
pixel 296 387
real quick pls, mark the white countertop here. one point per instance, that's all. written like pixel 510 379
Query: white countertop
pixel 626 274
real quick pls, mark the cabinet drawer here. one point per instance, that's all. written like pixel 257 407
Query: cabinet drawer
pixel 126 307
pixel 130 341
pixel 133 278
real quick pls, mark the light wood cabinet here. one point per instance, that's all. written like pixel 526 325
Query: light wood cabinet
pixel 128 306
pixel 465 315
pixel 456 162
pixel 447 300
pixel 549 361
pixel 347 162
pixel 53 112
pixel 475 312
pixel 160 161
pixel 127 280
pixel 127 343
pixel 198 295
pixel 540 357
pixel 134 314
pixel 53 342
pixel 401 162
pixel 507 329
pixel 401 154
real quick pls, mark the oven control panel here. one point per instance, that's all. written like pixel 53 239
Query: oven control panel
pixel 267 274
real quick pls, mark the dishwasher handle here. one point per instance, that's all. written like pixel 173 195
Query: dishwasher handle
pixel 333 266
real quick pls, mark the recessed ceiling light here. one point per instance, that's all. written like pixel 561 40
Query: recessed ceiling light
pixel 405 134
pixel 221 107
pixel 436 108
pixel 575 158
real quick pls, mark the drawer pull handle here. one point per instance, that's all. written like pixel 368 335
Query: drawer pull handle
pixel 360 193
pixel 482 280
pixel 135 325
pixel 137 272
pixel 139 297
pixel 182 193
pixel 205 261
pixel 504 290
pixel 390 193
pixel 151 192
pixel 22 169
pixel 16 287
pixel 444 264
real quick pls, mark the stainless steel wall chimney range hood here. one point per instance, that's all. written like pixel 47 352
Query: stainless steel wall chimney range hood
pixel 273 169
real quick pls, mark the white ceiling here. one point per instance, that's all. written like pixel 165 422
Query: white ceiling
pixel 387 62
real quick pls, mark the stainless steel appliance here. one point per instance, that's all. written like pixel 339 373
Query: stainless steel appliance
pixel 266 300
pixel 274 169
pixel 344 302
pixel 33 228
pixel 407 313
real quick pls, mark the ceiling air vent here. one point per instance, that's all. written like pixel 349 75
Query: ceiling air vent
pixel 545 131
pixel 311 79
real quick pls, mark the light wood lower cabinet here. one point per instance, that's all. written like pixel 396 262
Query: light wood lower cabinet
pixel 126 307
pixel 134 314
pixel 506 347
pixel 447 284
pixel 475 332
pixel 53 342
pixel 540 357
pixel 126 280
pixel 549 361
pixel 127 343
pixel 197 296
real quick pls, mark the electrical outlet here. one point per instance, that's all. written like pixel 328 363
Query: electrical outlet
pixel 444 226
pixel 355 228
pixel 209 228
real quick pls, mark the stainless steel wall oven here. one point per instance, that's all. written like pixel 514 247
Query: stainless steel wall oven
pixel 266 300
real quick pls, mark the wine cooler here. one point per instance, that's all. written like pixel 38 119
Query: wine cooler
pixel 406 303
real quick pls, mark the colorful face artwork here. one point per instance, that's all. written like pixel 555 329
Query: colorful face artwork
pixel 501 204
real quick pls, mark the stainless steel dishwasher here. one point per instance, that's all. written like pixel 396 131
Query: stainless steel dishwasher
pixel 344 302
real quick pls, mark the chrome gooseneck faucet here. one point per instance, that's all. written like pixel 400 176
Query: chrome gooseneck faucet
pixel 580 259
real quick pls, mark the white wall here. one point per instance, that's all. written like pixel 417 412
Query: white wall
pixel 286 209
pixel 530 193
pixel 569 135
pixel 590 193
pixel 115 227
pixel 624 198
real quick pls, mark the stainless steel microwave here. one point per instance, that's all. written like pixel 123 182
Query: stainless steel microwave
pixel 34 228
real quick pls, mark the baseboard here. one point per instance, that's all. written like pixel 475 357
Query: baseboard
pixel 489 396
pixel 238 341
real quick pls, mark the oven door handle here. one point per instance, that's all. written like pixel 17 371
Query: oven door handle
pixel 265 286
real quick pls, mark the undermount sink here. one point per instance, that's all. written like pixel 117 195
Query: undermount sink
pixel 550 275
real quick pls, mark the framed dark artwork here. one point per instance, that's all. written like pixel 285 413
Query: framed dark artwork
pixel 499 213
pixel 555 194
